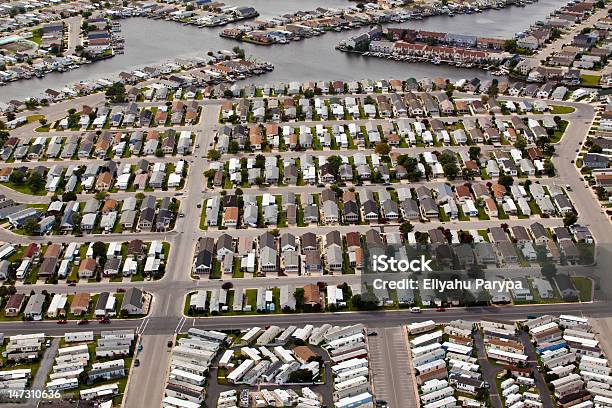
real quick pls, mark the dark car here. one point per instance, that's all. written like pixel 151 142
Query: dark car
pixel 136 363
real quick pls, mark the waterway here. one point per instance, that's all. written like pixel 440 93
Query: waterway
pixel 149 42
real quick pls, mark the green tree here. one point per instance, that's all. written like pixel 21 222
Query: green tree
pixel 596 149
pixel 411 165
pixel 335 162
pixel 98 249
pixel 406 227
pixel 474 152
pixel 17 177
pixel 239 52
pixel 383 149
pixel 214 154
pixel 505 180
pixel 260 161
pixel 116 93
pixel 101 195
pixel 451 170
pixel 510 45
pixel 521 143
pixel 69 196
pixel 31 103
pixel 549 270
pixel 30 226
pixel 300 376
pixel 570 219
pixel 549 168
pixel 36 182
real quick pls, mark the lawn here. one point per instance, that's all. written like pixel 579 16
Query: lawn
pixel 24 188
pixel 35 118
pixel 584 286
pixel 556 137
pixel 203 225
pixel 251 298
pixel 37 36
pixel 561 110
pixel 589 80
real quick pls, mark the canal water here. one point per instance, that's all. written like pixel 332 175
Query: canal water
pixel 149 42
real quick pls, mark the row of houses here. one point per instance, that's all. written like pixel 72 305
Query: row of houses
pixel 569 352
pixel 36 12
pixel 72 261
pixel 107 215
pixel 39 305
pixel 101 177
pixel 304 25
pixel 106 145
pixel 394 133
pixel 288 254
pixel 189 367
pixel 444 370
pixel 75 367
pixel 367 205
pixel 390 104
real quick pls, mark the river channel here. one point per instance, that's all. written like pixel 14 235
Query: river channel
pixel 149 42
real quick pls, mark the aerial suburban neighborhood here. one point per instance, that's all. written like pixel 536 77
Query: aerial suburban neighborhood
pixel 316 204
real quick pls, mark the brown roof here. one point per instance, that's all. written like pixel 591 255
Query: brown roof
pixel 231 214
pixel 109 205
pixel 353 239
pixel 348 196
pixel 15 301
pixel 498 190
pixel 464 191
pixel 30 251
pixel 303 353
pixel 104 178
pixel 53 251
pixel 312 295
pixel 505 343
pixel 89 264
pixel 80 302
pixel 135 247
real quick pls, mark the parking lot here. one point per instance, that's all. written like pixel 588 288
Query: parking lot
pixel 391 370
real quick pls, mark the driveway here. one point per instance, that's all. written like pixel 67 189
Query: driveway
pixel 489 370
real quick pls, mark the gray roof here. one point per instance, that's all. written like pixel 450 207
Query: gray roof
pixel 35 304
pixel 132 297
